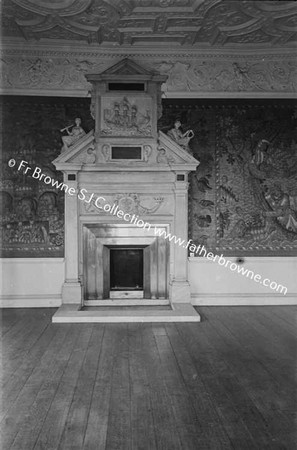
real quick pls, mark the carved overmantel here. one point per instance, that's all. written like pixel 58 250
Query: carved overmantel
pixel 127 165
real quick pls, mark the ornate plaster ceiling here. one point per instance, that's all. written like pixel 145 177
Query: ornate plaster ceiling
pixel 184 23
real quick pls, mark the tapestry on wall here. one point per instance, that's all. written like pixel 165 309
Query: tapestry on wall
pixel 32 212
pixel 243 195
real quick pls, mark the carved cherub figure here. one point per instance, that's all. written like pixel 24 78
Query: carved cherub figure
pixel 90 156
pixel 162 157
pixel 147 152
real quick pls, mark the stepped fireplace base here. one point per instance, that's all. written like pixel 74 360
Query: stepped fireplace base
pixel 177 312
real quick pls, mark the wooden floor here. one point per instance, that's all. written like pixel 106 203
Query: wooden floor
pixel 228 382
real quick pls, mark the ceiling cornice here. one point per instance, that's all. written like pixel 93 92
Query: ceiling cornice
pixel 17 45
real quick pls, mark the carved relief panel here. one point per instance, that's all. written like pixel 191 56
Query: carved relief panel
pixel 126 116
pixel 102 203
pixel 126 101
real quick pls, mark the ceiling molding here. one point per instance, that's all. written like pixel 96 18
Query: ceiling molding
pixel 54 47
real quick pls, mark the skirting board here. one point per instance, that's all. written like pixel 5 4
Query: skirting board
pixel 243 300
pixel 51 301
pixel 30 301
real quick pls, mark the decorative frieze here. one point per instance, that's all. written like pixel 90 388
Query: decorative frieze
pixel 130 203
pixel 237 75
pixel 63 73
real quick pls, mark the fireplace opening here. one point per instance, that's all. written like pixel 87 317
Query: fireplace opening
pixel 124 262
pixel 126 269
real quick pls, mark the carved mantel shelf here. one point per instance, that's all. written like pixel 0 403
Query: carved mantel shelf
pixel 58 71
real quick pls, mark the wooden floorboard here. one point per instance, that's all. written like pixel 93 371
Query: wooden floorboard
pixel 47 376
pixel 204 397
pixel 19 367
pixel 119 416
pixel 253 389
pixel 165 424
pixel 142 420
pixel 74 430
pixel 19 409
pixel 55 424
pixel 282 312
pixel 229 382
pixel 9 318
pixel 96 429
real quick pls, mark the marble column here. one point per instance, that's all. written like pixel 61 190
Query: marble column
pixel 180 287
pixel 71 289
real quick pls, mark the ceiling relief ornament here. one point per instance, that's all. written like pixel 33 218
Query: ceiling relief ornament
pixel 54 16
pixel 153 22
pixel 65 7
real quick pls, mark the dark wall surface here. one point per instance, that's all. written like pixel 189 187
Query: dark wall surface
pixel 242 199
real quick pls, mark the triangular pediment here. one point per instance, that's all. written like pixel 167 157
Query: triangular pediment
pixel 126 67
pixel 168 154
pixel 177 156
pixel 80 153
pixel 126 70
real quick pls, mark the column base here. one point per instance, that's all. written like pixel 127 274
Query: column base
pixel 72 292
pixel 180 292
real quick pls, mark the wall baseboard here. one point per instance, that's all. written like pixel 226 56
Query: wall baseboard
pixel 243 300
pixel 52 301
pixel 30 301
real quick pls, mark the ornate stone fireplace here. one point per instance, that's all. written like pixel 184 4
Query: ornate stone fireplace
pixel 129 189
pixel 100 241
